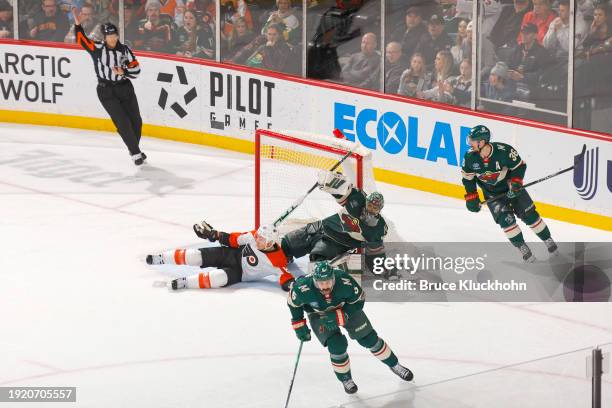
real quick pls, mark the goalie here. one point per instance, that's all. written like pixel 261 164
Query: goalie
pixel 242 257
pixel 358 224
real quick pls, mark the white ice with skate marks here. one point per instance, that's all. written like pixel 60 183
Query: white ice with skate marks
pixel 79 308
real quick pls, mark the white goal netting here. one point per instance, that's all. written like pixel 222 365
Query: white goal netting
pixel 286 166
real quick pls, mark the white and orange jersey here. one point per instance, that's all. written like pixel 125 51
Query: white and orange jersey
pixel 257 264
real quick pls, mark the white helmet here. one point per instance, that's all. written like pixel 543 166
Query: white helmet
pixel 269 234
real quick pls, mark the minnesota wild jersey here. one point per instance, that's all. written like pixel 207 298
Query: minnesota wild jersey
pixel 347 228
pixel 492 173
pixel 304 296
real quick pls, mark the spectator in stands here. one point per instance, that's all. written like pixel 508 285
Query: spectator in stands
pixel 275 54
pixel 156 32
pixel 6 19
pixel 541 16
pixel 191 40
pixel 491 12
pixel 529 58
pixel 457 49
pixel 285 18
pixel 240 37
pixel 556 39
pixel 487 55
pixel 443 67
pixel 499 87
pixel 586 7
pixel 363 68
pixel 599 38
pixel 230 11
pixel 416 78
pixel 394 66
pixel 434 41
pixel 88 22
pixel 179 12
pixel 460 87
pixel 508 27
pixel 49 24
pixel 410 34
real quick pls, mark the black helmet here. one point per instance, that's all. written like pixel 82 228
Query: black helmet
pixel 109 28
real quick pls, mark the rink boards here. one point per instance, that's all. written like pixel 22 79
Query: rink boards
pixel 414 144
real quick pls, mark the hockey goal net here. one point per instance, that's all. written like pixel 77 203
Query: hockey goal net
pixel 286 166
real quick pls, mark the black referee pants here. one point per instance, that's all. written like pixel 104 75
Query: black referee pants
pixel 120 102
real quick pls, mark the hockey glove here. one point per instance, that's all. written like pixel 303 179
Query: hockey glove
pixel 205 231
pixel 286 281
pixel 516 184
pixel 334 319
pixel 302 331
pixel 472 201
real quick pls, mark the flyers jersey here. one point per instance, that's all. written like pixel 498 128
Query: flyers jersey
pixel 257 264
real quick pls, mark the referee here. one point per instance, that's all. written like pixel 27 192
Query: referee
pixel 115 64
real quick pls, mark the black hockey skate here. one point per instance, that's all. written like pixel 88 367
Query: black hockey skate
pixel 155 259
pixel 551 245
pixel 402 372
pixel 349 386
pixel 527 254
pixel 179 283
pixel 141 160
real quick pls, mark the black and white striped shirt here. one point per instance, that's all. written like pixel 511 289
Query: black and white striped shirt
pixel 105 59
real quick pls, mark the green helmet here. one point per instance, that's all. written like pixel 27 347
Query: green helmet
pixel 376 199
pixel 480 132
pixel 323 271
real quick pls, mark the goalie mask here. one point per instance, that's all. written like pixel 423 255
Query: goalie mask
pixel 374 204
pixel 265 237
pixel 324 277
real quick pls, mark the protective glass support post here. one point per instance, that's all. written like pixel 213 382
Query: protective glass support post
pixel 382 44
pixel 475 55
pixel 218 30
pixel 570 64
pixel 304 34
pixel 121 21
pixel 597 358
pixel 15 19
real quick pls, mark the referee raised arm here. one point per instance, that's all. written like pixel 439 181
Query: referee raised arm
pixel 115 64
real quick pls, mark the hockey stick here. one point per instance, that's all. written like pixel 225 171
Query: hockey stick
pixel 301 199
pixel 579 160
pixel 297 360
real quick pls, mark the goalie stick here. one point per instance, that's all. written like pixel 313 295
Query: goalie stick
pixel 301 199
pixel 579 160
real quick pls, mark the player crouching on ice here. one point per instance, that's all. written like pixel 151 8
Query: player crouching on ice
pixel 497 168
pixel 333 299
pixel 242 257
pixel 358 224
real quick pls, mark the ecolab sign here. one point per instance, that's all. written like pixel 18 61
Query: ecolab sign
pixel 400 135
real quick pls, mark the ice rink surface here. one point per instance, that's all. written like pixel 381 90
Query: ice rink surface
pixel 79 307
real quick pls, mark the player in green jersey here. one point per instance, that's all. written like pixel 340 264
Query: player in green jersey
pixel 358 224
pixel 332 299
pixel 497 168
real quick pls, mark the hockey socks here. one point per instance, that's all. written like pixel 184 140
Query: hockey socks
pixel 191 257
pixel 342 366
pixel 382 351
pixel 541 229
